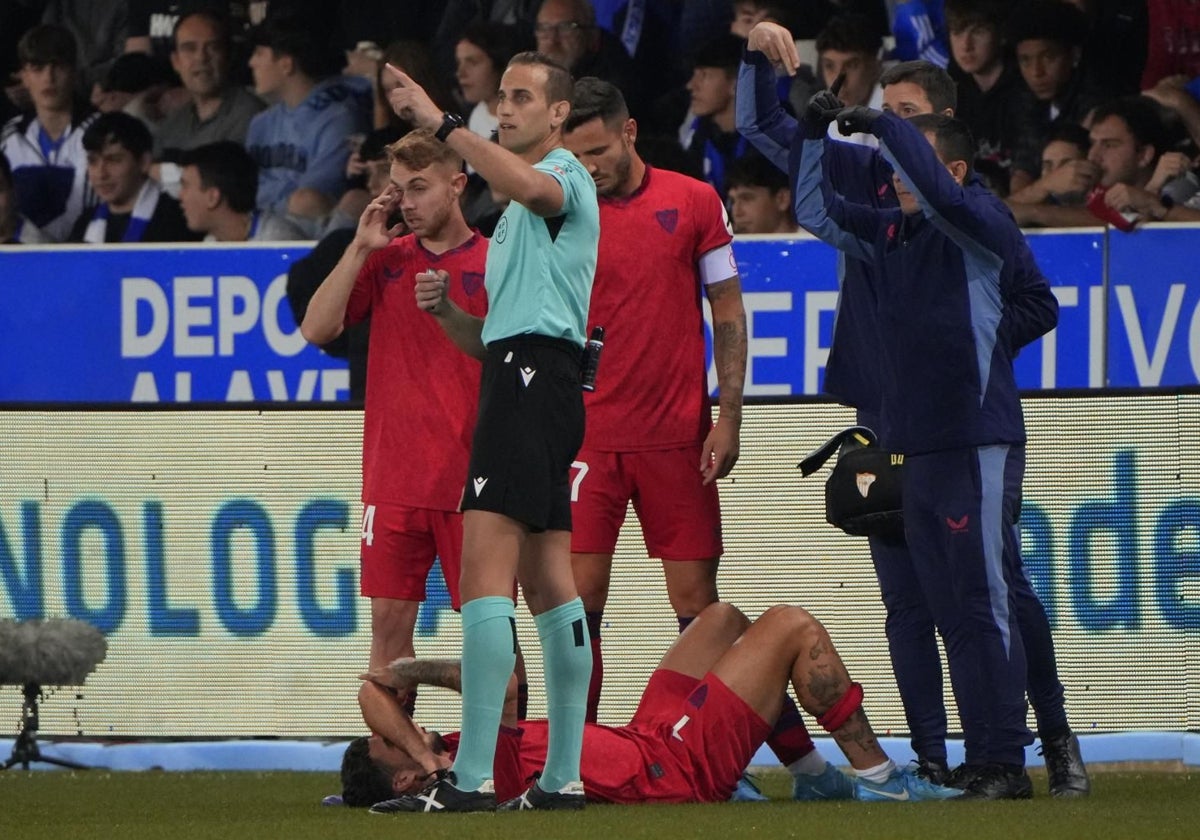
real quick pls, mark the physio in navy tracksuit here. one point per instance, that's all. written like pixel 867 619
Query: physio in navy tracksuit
pixel 852 376
pixel 945 262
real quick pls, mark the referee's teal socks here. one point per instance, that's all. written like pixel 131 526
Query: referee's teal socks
pixel 567 662
pixel 489 654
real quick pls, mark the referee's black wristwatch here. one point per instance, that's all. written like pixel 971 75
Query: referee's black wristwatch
pixel 450 121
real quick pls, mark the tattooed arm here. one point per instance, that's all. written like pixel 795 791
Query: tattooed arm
pixel 722 446
pixel 405 674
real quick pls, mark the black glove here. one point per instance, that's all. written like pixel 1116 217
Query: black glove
pixel 823 108
pixel 860 118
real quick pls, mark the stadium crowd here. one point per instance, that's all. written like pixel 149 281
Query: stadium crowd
pixel 1083 113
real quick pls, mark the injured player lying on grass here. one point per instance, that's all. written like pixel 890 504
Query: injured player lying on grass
pixel 714 699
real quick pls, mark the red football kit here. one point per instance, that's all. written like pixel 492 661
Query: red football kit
pixel 652 387
pixel 422 393
pixel 650 412
pixel 689 741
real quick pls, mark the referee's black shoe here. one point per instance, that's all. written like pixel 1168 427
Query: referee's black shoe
pixel 999 781
pixel 570 797
pixel 1065 768
pixel 441 795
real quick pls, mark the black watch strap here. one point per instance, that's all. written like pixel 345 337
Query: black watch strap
pixel 450 121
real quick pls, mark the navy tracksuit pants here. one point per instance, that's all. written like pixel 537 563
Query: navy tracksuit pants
pixel 960 520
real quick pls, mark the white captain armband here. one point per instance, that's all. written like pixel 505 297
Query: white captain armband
pixel 718 265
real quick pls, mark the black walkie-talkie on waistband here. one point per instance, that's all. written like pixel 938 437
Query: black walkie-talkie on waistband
pixel 591 359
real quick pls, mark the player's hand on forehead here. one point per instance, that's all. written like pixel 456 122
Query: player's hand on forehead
pixel 385 199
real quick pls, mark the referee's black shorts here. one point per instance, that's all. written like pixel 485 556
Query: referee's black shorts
pixel 529 430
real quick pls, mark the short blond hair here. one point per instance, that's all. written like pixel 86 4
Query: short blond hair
pixel 420 149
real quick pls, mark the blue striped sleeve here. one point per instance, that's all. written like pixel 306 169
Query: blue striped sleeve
pixel 825 214
pixel 759 115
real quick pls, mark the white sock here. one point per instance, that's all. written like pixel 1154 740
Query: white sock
pixel 810 764
pixel 878 773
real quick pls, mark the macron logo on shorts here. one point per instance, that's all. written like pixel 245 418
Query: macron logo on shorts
pixel 527 375
pixel 479 483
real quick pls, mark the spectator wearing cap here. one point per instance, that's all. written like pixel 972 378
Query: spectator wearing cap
pixel 990 88
pixel 300 142
pixel 851 44
pixel 1128 141
pixel 1048 37
pixel 710 135
pixel 760 199
pixel 45 146
pixel 1056 198
pixel 217 186
pixel 217 108
pixel 132 207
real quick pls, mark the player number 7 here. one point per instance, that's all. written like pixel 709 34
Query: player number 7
pixel 582 468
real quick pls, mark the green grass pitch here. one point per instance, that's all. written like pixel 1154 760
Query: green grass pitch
pixel 256 806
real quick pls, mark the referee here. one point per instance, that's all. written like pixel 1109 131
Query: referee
pixel 517 501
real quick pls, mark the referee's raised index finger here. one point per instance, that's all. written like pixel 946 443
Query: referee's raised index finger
pixel 400 75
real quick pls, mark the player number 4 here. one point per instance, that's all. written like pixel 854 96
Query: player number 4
pixel 368 525
pixel 582 469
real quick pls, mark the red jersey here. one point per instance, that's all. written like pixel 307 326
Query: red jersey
pixel 689 741
pixel 652 387
pixel 422 391
pixel 620 765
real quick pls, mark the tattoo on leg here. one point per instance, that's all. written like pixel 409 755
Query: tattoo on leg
pixel 856 733
pixel 825 686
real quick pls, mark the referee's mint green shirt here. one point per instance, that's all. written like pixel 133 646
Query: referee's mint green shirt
pixel 538 283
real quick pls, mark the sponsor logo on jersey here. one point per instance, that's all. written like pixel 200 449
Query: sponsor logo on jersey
pixel 472 282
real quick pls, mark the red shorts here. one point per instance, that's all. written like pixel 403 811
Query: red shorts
pixel 705 727
pixel 680 516
pixel 399 544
